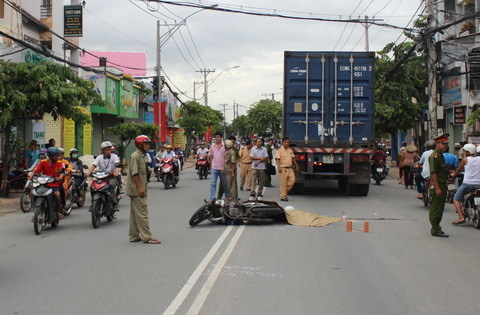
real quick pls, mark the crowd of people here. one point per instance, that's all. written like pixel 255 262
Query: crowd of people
pixel 433 168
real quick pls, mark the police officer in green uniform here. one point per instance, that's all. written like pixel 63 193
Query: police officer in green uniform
pixel 137 191
pixel 438 186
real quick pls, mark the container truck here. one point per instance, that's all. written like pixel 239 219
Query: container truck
pixel 328 116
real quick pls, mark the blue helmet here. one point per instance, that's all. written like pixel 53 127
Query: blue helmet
pixel 53 151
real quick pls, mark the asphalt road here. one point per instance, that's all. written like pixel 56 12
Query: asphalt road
pixel 396 268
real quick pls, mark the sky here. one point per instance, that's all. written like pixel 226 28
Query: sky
pixel 220 41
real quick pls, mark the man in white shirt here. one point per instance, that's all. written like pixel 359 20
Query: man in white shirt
pixel 425 174
pixel 170 154
pixel 202 151
pixel 259 155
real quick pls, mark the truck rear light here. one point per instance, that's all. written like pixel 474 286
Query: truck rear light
pixel 301 157
pixel 360 158
pixel 318 163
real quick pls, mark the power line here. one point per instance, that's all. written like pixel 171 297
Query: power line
pixel 386 4
pixel 365 8
pixel 345 26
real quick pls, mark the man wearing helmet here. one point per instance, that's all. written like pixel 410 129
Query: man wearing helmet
pixel 425 174
pixel 471 179
pixel 42 155
pixel 53 168
pixel 106 162
pixel 137 191
pixel 201 152
pixel 66 180
pixel 77 166
pixel 379 157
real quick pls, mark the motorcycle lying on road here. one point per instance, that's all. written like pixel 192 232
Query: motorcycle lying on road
pixel 471 207
pixel 379 172
pixel 202 167
pixel 102 200
pixel 44 203
pixel 167 174
pixel 247 212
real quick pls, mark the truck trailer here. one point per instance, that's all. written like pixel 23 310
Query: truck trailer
pixel 328 116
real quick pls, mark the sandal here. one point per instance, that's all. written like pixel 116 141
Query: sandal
pixel 458 222
pixel 152 241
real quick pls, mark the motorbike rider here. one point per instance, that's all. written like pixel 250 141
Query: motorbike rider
pixel 169 154
pixel 77 166
pixel 66 180
pixel 106 162
pixel 425 174
pixel 379 157
pixel 53 168
pixel 471 179
pixel 42 155
pixel 202 152
pixel 180 155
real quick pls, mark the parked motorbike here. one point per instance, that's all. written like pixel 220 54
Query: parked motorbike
pixel 471 207
pixel 80 187
pixel 17 179
pixel 26 200
pixel 202 166
pixel 248 212
pixel 379 172
pixel 167 175
pixel 102 200
pixel 158 169
pixel 44 203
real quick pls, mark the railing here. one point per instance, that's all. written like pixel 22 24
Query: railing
pixel 46 11
pixel 449 15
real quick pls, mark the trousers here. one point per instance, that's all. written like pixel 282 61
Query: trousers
pixel 246 174
pixel 258 176
pixel 435 212
pixel 139 226
pixel 287 180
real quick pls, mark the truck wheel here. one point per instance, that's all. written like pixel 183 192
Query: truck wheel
pixel 363 189
pixel 351 189
pixel 342 184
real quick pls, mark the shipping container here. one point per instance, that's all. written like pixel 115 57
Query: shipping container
pixel 328 115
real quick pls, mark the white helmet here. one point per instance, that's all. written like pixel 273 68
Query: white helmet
pixel 478 149
pixel 471 148
pixel 106 144
pixel 228 144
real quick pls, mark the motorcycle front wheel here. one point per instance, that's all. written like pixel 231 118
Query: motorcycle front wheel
pixel 199 216
pixel 97 207
pixel 476 217
pixel 26 202
pixel 167 182
pixel 81 198
pixel 39 218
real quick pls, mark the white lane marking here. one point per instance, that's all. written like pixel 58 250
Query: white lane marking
pixel 187 287
pixel 208 285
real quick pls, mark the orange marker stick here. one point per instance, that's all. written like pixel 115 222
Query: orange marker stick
pixel 366 227
pixel 349 226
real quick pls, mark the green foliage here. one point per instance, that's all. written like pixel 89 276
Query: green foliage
pixel 129 131
pixel 28 90
pixel 473 118
pixel 265 117
pixel 195 118
pixel 400 96
pixel 241 126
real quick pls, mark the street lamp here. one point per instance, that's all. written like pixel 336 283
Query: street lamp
pixel 206 85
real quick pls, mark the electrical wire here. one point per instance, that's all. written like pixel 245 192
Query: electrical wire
pixel 366 8
pixel 349 35
pixel 13 52
pixel 345 26
pixel 386 4
pixel 195 46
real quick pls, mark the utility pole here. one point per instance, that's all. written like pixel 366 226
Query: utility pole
pixel 205 85
pixel 270 94
pixel 159 84
pixel 367 24
pixel 195 89
pixel 432 77
pixel 224 106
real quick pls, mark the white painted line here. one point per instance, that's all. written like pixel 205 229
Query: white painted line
pixel 187 287
pixel 208 285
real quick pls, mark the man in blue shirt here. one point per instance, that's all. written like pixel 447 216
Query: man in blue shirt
pixel 30 155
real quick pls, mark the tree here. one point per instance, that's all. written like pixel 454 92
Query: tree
pixel 241 126
pixel 264 117
pixel 129 131
pixel 196 118
pixel 28 90
pixel 400 97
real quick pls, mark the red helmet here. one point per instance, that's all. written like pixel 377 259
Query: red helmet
pixel 142 139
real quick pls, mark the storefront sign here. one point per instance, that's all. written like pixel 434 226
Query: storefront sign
pixel 452 92
pixel 38 129
pixel 29 56
pixel 179 137
pixel 459 115
pixel 73 21
pixel 87 139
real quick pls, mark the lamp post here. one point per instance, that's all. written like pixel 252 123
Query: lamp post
pixel 207 84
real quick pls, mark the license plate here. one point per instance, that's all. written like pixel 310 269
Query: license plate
pixel 380 170
pixel 328 159
pixel 477 201
pixel 452 187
